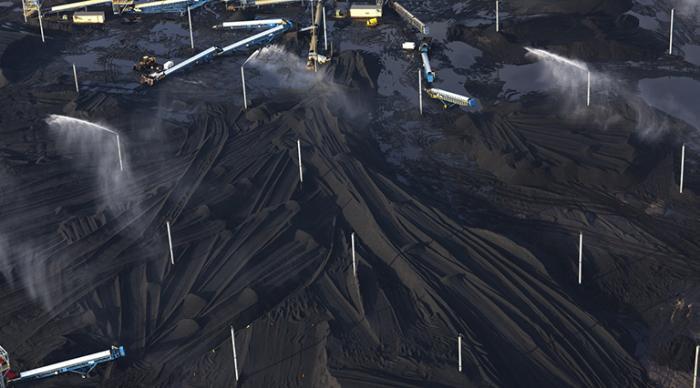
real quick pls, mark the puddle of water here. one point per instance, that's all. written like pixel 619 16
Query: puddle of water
pixel 692 53
pixel 438 30
pixel 664 16
pixel 171 29
pixel 676 96
pixel 84 61
pixel 105 42
pixel 646 22
pixel 397 77
pixel 522 79
pixel 461 55
pixel 123 66
pixel 446 78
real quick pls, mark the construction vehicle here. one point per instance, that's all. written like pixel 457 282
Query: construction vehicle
pixel 82 365
pixel 408 17
pixel 449 99
pixel 29 7
pixel 147 64
pixel 372 22
pixel 152 72
pixel 428 73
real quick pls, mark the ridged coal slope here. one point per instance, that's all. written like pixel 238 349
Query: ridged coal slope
pixel 255 247
pixel 486 250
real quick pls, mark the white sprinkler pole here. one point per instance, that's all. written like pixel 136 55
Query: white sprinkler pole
pixel 325 37
pixel 682 166
pixel 41 25
pixel 580 257
pixel 588 90
pixel 245 100
pixel 24 11
pixel 459 352
pixel 497 19
pixel 75 77
pixel 189 19
pixel 119 153
pixel 354 261
pixel 235 359
pixel 170 243
pixel 301 171
pixel 670 38
pixel 420 92
pixel 695 371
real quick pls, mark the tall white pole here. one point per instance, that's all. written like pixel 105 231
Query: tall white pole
pixel 24 11
pixel 420 91
pixel 170 243
pixel 235 359
pixel 245 100
pixel 354 261
pixel 580 257
pixel 459 352
pixel 682 165
pixel 41 25
pixel 301 171
pixel 119 154
pixel 695 371
pixel 75 77
pixel 189 18
pixel 588 90
pixel 325 38
pixel 670 39
pixel 497 26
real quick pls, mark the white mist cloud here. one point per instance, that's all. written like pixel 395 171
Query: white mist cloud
pixel 687 8
pixel 568 78
pixel 283 70
pixel 93 150
pixel 288 69
pixel 96 148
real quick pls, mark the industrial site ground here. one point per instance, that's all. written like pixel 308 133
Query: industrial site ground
pixel 466 220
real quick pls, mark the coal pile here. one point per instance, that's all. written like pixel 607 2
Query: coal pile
pixel 466 223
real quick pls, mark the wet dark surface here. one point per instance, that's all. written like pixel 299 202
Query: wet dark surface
pixel 466 222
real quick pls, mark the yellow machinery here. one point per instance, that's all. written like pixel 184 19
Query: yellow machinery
pixel 29 7
pixel 372 22
pixel 88 17
pixel 118 6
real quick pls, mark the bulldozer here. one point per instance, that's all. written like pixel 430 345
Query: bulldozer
pixel 148 64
